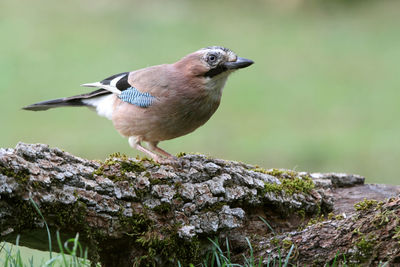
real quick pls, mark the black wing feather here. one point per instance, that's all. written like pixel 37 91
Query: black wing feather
pixel 122 83
pixel 109 79
pixel 76 100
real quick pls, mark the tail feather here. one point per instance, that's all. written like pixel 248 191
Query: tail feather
pixel 73 101
pixel 55 103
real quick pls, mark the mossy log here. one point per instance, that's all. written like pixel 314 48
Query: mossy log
pixel 131 211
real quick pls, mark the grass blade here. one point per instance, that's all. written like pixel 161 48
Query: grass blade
pixel 31 262
pixel 267 224
pixel 288 256
pixel 45 223
pixel 228 252
pixel 260 263
pixel 279 258
pixel 335 259
pixel 252 262
pixel 61 249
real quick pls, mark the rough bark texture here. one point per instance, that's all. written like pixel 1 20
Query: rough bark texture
pixel 134 211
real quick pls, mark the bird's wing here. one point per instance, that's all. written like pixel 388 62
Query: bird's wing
pixel 135 97
pixel 118 84
pixel 114 84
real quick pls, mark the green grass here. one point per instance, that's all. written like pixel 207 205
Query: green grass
pixel 323 94
pixel 217 257
pixel 71 252
pixel 71 255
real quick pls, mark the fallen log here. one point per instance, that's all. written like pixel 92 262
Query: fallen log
pixel 132 211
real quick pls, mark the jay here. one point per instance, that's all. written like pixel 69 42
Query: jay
pixel 160 102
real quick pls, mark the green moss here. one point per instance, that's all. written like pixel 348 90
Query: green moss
pixel 384 217
pixel 21 176
pixel 148 160
pixel 279 173
pixel 365 248
pixel 275 241
pixel 154 181
pixel 56 214
pixel 357 231
pixel 286 243
pixel 291 183
pixel 258 169
pixel 141 193
pixel 301 213
pixel 291 186
pixel 181 154
pixel 119 155
pixel 132 166
pixel 339 217
pixel 121 165
pixel 215 207
pixel 99 171
pixel 177 195
pixel 64 218
pixel 163 208
pixel 136 225
pixel 169 247
pixel 178 185
pixel 316 219
pixel 27 215
pixel 366 204
pixel 36 185
pixel 298 185
pixel 397 234
pixel 157 242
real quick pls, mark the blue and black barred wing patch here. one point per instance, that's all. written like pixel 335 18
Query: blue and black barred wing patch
pixel 137 98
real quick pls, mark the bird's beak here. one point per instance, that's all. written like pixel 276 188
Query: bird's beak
pixel 238 64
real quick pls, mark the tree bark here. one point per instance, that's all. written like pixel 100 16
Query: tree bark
pixel 136 212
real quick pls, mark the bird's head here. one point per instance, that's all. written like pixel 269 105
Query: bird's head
pixel 213 62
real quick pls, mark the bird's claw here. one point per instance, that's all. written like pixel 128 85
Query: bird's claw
pixel 167 161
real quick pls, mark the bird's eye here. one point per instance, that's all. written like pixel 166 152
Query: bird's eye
pixel 212 58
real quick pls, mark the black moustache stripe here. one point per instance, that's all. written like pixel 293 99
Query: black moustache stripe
pixel 215 71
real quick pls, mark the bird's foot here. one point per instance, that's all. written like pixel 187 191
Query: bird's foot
pixel 172 158
pixel 167 161
pixel 157 154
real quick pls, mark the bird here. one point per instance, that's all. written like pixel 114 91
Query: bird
pixel 160 102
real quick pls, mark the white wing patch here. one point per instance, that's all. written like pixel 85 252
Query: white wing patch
pixel 103 104
pixel 114 81
pixel 110 87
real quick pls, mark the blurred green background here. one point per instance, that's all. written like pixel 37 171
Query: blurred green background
pixel 323 95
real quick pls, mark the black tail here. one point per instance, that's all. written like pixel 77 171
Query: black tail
pixel 73 101
pixel 55 103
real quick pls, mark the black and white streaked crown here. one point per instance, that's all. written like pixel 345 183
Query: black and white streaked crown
pixel 216 47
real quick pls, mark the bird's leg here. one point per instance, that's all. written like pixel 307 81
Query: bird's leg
pixel 134 142
pixel 153 146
